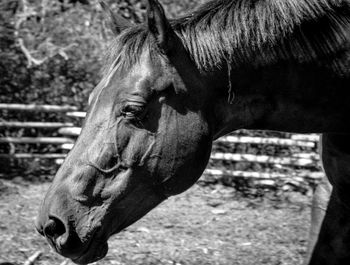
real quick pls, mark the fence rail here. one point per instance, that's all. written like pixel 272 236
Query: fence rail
pixel 43 125
pixel 262 175
pixel 36 140
pixel 34 107
pixel 33 155
pixel 264 159
pixel 68 130
pixel 260 140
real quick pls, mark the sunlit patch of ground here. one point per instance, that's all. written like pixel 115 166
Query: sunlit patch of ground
pixel 205 225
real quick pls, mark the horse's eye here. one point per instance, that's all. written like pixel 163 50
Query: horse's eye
pixel 131 110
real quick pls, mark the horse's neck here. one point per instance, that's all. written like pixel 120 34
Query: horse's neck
pixel 285 97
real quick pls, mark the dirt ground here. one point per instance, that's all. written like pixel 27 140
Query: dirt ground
pixel 205 225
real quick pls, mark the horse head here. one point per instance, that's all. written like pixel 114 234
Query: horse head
pixel 146 136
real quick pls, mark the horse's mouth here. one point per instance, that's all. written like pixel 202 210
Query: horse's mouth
pixel 96 250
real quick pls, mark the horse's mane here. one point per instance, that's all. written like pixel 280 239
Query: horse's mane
pixel 248 31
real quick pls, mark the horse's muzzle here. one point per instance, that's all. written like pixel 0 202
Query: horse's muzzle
pixel 60 236
pixel 67 243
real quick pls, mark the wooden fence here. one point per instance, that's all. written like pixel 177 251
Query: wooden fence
pixel 297 168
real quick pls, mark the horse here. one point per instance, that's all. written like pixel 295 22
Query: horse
pixel 171 87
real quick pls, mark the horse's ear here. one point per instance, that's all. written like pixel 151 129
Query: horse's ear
pixel 116 22
pixel 171 45
pixel 159 26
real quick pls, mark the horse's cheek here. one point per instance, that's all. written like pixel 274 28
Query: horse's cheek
pixel 133 144
pixel 182 152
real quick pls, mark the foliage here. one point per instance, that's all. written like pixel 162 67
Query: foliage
pixel 53 56
pixel 50 52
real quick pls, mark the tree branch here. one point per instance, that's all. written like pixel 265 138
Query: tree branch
pixel 31 60
pixel 50 49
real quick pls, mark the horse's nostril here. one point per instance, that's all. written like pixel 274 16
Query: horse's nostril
pixel 54 228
